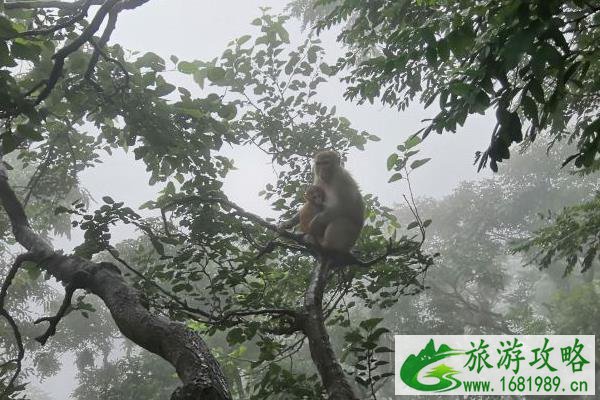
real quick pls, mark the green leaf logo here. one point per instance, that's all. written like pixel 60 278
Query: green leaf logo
pixel 409 372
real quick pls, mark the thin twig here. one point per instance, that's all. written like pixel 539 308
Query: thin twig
pixel 11 321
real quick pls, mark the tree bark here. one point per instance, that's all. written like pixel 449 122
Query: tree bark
pixel 313 326
pixel 199 371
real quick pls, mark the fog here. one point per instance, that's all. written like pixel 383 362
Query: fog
pixel 201 30
pixel 196 30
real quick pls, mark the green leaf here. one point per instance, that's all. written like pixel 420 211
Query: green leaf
pixel 369 324
pixel 158 246
pixel 443 50
pixel 235 336
pixel 551 55
pixel 187 67
pixel 417 163
pixel 535 88
pixel 427 35
pixel 6 28
pixel 461 40
pixel 530 109
pixel 353 337
pixel 412 225
pixel 215 74
pixel 517 44
pixel 391 161
pixel 8 142
pixel 164 89
pixel 61 210
pixel 199 77
pixel 412 142
pixel 192 112
pixel 460 89
pixel 396 177
pixel 152 61
pixel 108 200
pixel 431 55
pixel 326 69
pixel 33 270
pixel 281 32
pixel 243 39
pixel 228 111
pixel 5 57
pixel 25 50
pixel 374 336
pixel 28 131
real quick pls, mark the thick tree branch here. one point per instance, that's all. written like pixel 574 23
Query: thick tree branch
pixel 184 306
pixel 311 318
pixel 183 348
pixel 108 30
pixel 61 5
pixel 60 56
pixel 237 210
pixel 107 7
pixel 81 14
pixel 313 326
pixel 265 311
pixel 340 259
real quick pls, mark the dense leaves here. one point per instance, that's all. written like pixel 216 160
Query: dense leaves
pixel 76 99
pixel 571 236
pixel 534 62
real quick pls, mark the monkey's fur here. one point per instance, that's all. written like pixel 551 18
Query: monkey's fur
pixel 337 225
pixel 314 203
pixel 342 219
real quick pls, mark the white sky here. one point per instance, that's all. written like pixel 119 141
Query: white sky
pixel 197 29
pixel 201 30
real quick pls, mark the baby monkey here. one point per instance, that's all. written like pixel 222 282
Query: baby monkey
pixel 314 203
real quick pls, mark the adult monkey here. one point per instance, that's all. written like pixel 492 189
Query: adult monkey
pixel 342 219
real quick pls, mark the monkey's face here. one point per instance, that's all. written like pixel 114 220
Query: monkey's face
pixel 326 165
pixel 315 195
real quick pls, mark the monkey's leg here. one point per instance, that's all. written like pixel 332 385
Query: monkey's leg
pixel 340 235
pixel 320 222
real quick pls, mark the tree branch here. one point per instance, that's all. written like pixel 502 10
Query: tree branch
pixel 112 7
pixel 108 30
pixel 60 56
pixel 176 343
pixel 340 259
pixel 12 323
pixel 313 326
pixel 68 22
pixel 61 5
pixel 54 320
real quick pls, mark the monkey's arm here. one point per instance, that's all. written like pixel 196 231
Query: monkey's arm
pixel 322 219
pixel 290 223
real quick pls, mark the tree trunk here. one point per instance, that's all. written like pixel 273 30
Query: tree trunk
pixel 183 348
pixel 313 325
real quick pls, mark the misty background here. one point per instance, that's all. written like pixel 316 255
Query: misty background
pixel 201 30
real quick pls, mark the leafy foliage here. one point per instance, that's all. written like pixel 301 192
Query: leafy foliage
pixel 534 62
pixel 363 344
pixel 197 258
pixel 572 236
pixel 275 89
